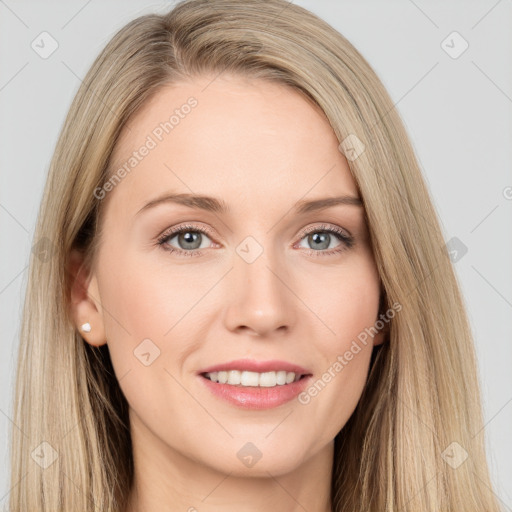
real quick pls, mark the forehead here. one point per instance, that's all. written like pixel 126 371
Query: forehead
pixel 246 140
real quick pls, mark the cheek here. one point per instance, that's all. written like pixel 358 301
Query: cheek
pixel 154 314
pixel 143 299
pixel 348 308
pixel 143 309
pixel 345 300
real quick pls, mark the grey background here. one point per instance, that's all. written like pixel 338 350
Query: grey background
pixel 457 112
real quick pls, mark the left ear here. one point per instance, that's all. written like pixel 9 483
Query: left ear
pixel 85 306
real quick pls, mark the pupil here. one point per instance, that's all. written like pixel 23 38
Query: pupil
pixel 320 240
pixel 188 238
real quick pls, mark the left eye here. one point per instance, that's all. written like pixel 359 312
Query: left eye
pixel 321 239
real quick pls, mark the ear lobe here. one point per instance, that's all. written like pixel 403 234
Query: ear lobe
pixel 84 304
pixel 380 337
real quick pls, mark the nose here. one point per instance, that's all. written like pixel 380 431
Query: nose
pixel 260 299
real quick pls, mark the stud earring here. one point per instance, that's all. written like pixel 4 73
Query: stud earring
pixel 86 327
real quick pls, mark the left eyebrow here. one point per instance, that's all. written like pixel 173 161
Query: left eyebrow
pixel 213 204
pixel 207 203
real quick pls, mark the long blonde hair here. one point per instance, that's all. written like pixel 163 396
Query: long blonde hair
pixel 421 405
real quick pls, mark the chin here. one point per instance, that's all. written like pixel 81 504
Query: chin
pixel 255 459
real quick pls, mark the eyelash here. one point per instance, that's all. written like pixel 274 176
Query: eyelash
pixel 346 240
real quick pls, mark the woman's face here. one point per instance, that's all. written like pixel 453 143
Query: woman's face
pixel 185 286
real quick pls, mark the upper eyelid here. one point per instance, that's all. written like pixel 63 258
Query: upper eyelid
pixel 184 227
pixel 326 227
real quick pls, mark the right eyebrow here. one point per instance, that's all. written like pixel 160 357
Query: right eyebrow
pixel 207 203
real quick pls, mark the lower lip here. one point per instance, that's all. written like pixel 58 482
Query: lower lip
pixel 256 397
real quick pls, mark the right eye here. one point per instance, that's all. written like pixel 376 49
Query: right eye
pixel 189 239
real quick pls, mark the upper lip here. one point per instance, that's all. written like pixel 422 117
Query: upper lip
pixel 252 365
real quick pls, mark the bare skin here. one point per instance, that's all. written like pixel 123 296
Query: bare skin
pixel 260 148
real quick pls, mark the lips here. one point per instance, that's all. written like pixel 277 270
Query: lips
pixel 252 365
pixel 268 392
pixel 256 397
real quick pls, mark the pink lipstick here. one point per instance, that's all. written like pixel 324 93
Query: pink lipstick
pixel 252 384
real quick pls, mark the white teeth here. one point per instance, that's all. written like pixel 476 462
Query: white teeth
pixel 253 379
pixel 281 378
pixel 234 377
pixel 249 379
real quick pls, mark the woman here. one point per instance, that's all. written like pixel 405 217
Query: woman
pixel 253 303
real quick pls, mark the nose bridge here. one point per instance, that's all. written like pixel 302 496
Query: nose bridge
pixel 258 297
